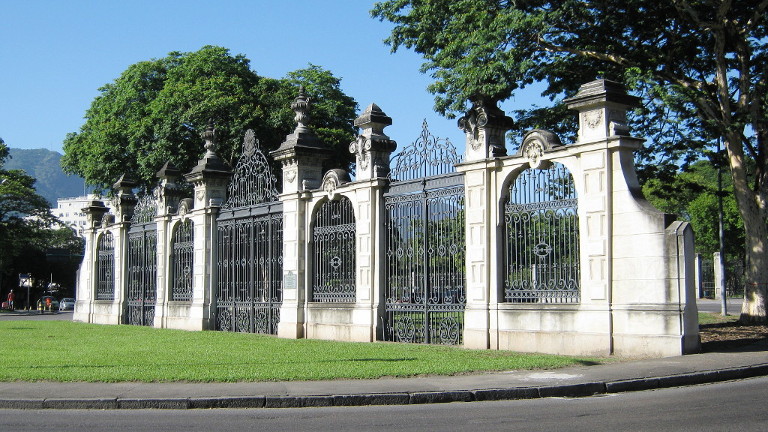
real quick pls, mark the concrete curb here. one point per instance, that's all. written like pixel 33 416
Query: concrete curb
pixel 395 398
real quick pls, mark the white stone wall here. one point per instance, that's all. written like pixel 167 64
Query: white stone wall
pixel 637 287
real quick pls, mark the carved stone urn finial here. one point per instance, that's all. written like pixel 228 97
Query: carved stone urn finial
pixel 209 135
pixel 301 106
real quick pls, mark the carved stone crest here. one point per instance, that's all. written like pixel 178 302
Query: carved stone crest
pixel 593 118
pixel 290 175
pixel 535 144
pixel 185 206
pixel 534 152
pixel 361 148
pixel 332 180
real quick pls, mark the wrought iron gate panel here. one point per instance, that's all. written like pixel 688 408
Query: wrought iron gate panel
pixel 333 240
pixel 142 275
pixel 182 260
pixel 542 238
pixel 424 228
pixel 250 247
pixel 142 263
pixel 250 268
pixel 105 267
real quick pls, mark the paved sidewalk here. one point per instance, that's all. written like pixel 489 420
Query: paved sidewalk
pixel 750 361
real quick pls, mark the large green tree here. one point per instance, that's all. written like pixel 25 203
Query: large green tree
pixel 696 59
pixel 25 220
pixel 694 195
pixel 155 111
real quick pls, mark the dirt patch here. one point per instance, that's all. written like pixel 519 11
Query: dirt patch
pixel 730 335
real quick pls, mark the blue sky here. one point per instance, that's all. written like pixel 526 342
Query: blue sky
pixel 55 54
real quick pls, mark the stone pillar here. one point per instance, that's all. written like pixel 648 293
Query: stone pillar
pixel 125 199
pixel 372 147
pixel 86 284
pixel 718 274
pixel 210 178
pixel 167 195
pixel 372 150
pixel 125 204
pixel 302 156
pixel 485 126
pixel 628 272
pixel 602 107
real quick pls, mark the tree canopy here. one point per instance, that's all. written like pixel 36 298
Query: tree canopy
pixel 700 65
pixel 26 232
pixel 155 111
pixel 693 194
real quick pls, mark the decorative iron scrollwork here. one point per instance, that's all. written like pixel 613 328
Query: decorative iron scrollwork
pixel 253 182
pixel 427 156
pixel 146 209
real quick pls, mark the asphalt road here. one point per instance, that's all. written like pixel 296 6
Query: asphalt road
pixel 35 315
pixel 714 306
pixel 736 405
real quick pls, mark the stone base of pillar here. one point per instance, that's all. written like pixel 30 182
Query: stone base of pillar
pixel 476 335
pixel 561 343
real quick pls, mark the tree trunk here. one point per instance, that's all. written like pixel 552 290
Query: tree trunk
pixel 753 212
pixel 756 271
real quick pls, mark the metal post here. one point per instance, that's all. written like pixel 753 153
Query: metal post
pixel 721 232
pixel 425 260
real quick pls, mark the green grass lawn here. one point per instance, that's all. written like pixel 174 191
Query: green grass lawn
pixel 69 351
pixel 716 318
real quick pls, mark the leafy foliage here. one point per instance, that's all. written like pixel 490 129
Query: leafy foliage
pixel 693 195
pixel 25 228
pixel 155 111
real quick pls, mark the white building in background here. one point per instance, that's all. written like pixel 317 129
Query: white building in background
pixel 70 211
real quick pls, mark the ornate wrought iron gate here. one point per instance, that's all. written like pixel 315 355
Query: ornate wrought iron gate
pixel 142 264
pixel 250 247
pixel 333 238
pixel 542 237
pixel 425 276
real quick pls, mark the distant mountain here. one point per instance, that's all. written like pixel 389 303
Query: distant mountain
pixel 44 165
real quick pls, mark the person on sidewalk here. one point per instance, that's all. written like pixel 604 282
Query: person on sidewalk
pixel 11 298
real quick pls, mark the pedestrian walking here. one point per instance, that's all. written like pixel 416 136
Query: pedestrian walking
pixel 11 298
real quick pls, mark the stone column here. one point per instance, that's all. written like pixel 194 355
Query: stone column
pixel 125 205
pixel 125 199
pixel 302 156
pixel 86 284
pixel 372 149
pixel 625 247
pixel 167 195
pixel 718 274
pixel 485 126
pixel 210 178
